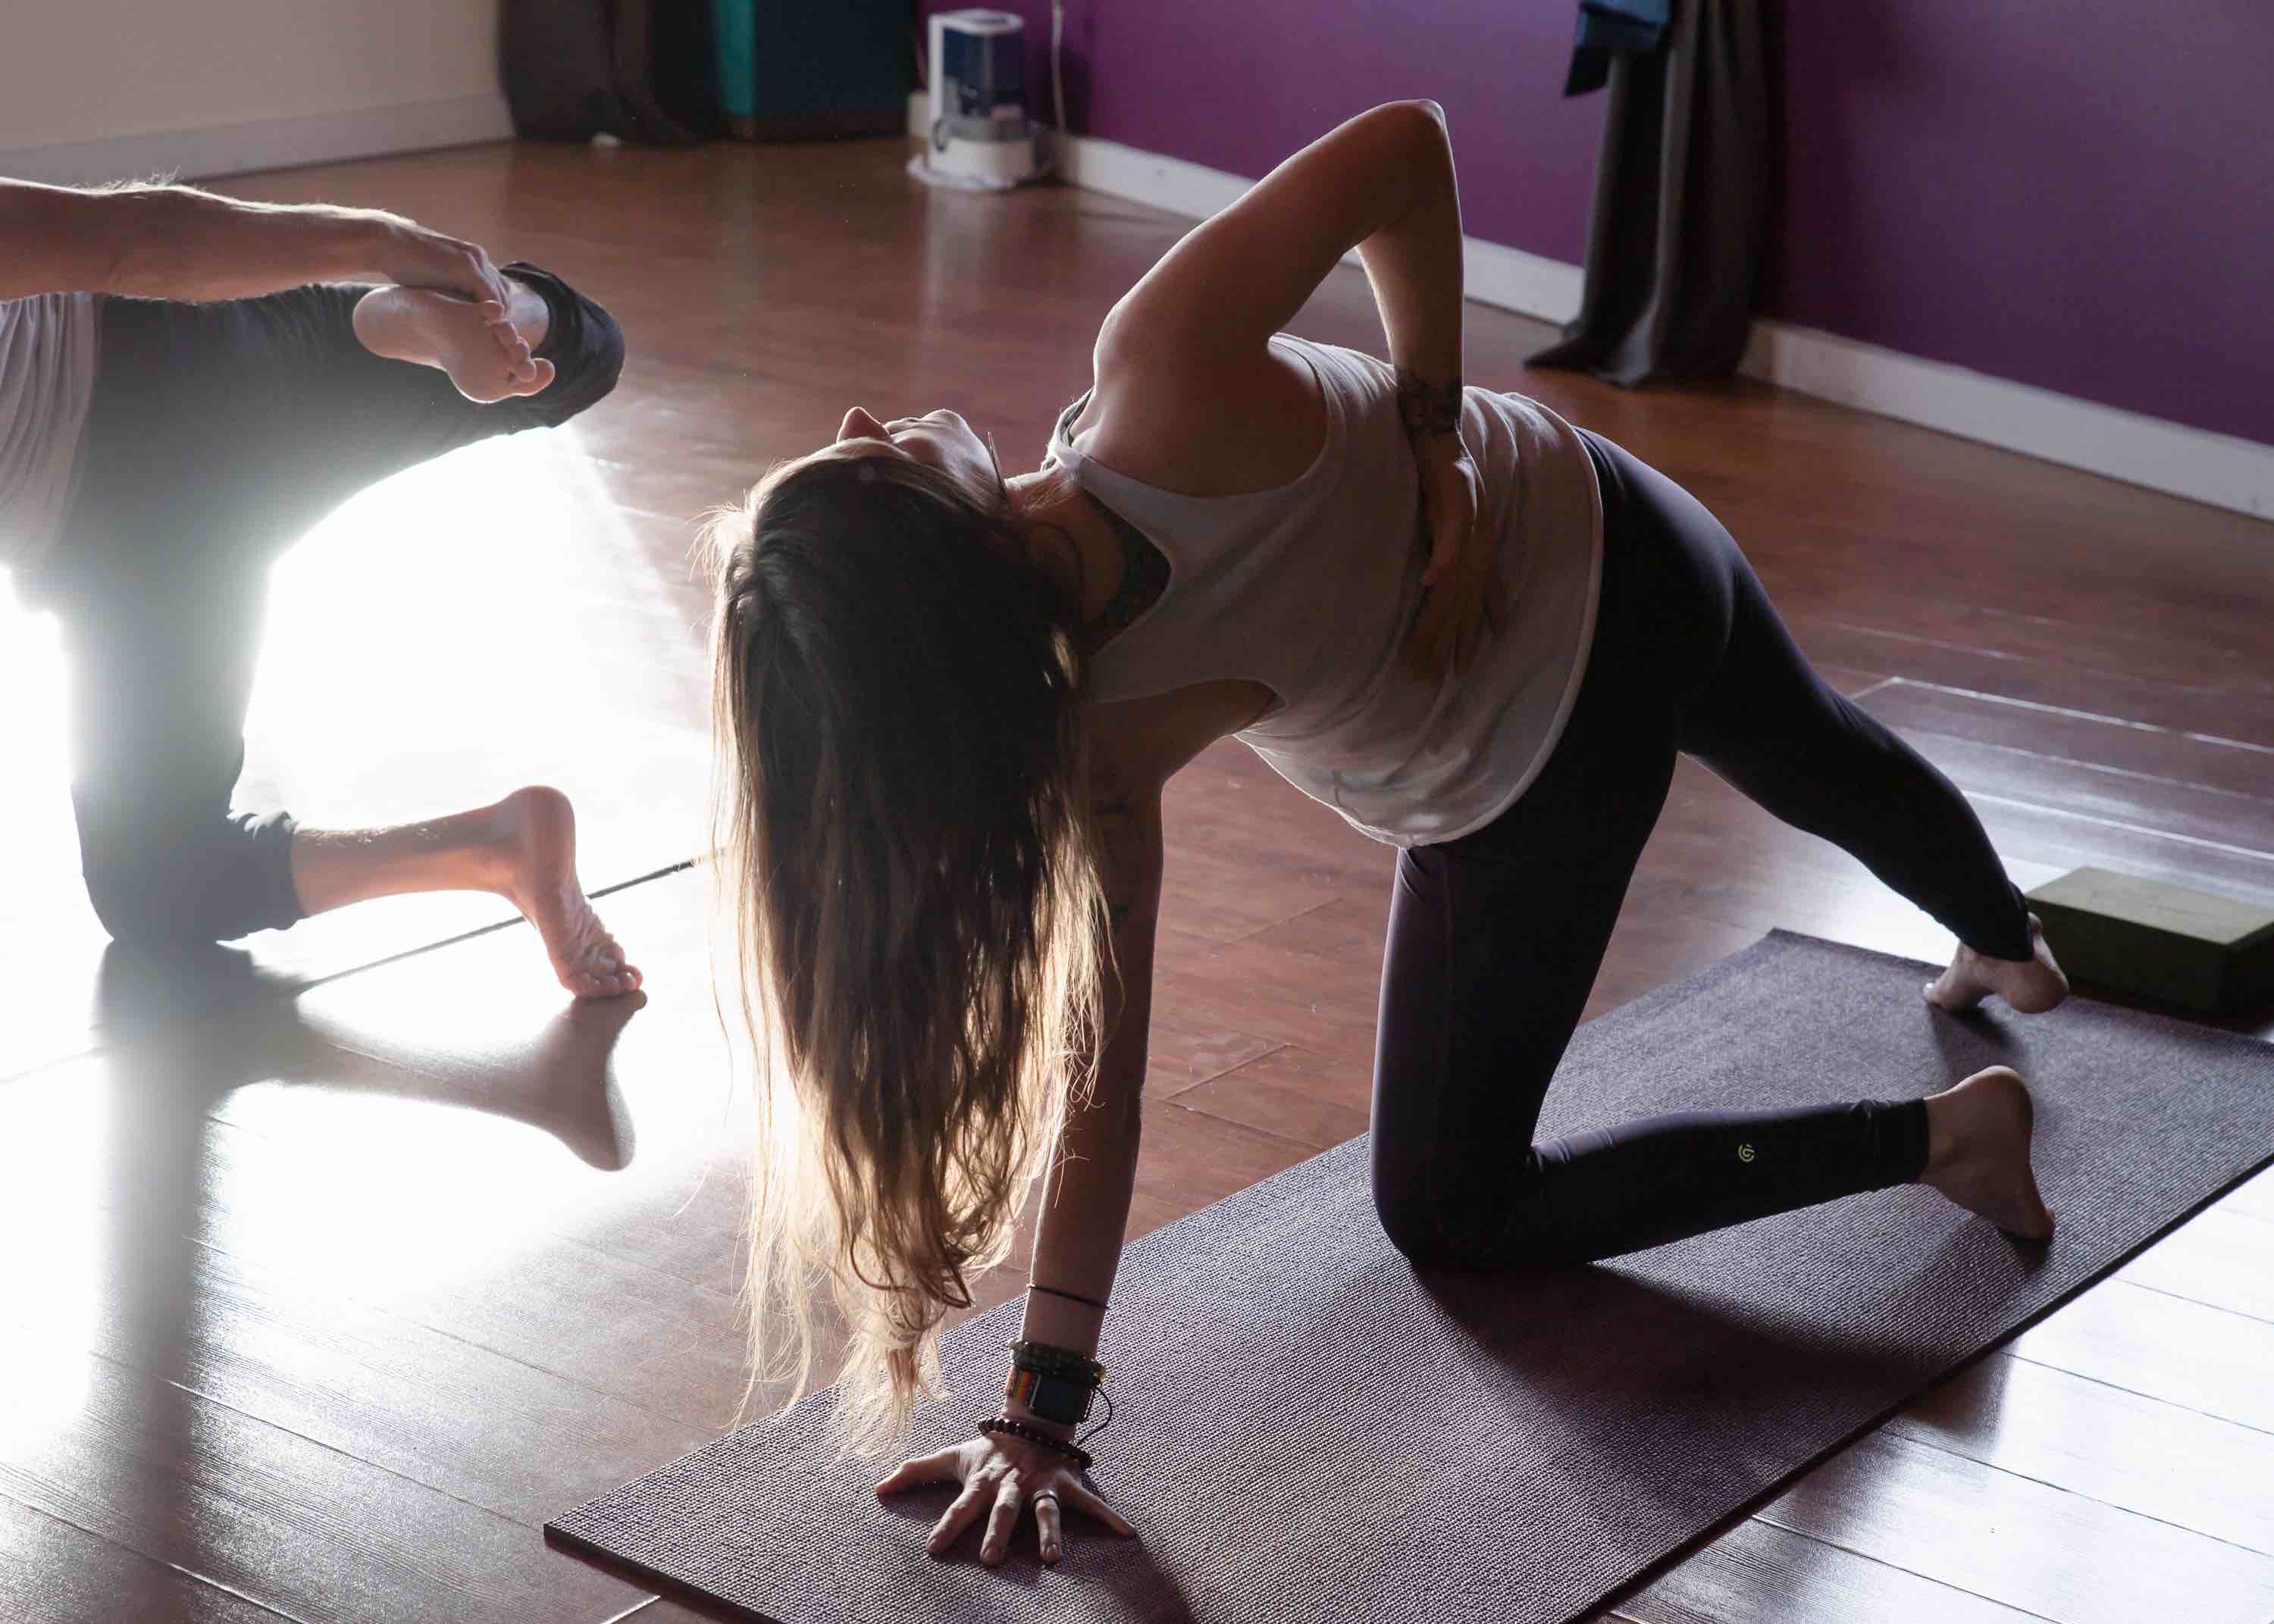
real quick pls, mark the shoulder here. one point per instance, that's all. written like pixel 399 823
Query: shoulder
pixel 1202 424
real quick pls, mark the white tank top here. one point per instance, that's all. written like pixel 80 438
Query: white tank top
pixel 47 376
pixel 1309 588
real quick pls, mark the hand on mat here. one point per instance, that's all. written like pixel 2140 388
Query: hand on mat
pixel 1000 1476
pixel 1456 604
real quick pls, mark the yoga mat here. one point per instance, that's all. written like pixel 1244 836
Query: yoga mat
pixel 1309 1430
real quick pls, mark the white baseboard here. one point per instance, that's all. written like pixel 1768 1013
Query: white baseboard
pixel 2221 469
pixel 2196 463
pixel 265 144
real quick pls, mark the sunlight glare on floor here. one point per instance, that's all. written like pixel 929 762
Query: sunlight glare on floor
pixel 50 1193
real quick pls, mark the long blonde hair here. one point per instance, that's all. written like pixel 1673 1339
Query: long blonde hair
pixel 904 864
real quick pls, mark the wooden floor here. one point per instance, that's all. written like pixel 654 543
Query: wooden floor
pixel 338 1263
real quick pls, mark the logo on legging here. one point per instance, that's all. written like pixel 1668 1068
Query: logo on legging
pixel 1744 1153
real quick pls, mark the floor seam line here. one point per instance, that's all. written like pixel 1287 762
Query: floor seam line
pixel 2117 1386
pixel 1763 1516
pixel 485 930
pixel 2151 832
pixel 190 1574
pixel 2063 1488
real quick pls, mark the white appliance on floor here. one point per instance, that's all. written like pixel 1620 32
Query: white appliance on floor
pixel 981 136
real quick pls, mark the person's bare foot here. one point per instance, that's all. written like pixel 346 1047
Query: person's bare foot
pixel 477 344
pixel 537 828
pixel 2031 985
pixel 1978 1151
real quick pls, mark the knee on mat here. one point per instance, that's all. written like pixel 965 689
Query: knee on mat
pixel 1418 1227
pixel 1450 1230
pixel 181 891
pixel 138 906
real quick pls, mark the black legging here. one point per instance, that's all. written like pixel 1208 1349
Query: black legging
pixel 217 435
pixel 1495 938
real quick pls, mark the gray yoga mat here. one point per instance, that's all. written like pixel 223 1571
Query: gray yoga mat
pixel 1306 1430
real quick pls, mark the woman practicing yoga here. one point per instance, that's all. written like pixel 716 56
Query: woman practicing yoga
pixel 948 704
pixel 184 392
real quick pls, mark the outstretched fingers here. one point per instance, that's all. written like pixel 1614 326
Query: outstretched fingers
pixel 962 1514
pixel 1003 1520
pixel 1087 1500
pixel 1048 1532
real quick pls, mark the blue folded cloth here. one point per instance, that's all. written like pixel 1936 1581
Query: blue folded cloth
pixel 1635 27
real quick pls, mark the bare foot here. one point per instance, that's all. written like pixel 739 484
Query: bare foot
pixel 538 829
pixel 1978 1151
pixel 477 345
pixel 2031 985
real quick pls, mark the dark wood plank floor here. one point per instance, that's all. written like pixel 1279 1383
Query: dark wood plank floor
pixel 334 1271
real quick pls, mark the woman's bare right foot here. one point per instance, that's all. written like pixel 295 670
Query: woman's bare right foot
pixel 2031 985
pixel 1978 1151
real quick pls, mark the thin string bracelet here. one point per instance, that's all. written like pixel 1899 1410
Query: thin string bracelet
pixel 1072 1296
pixel 1102 1425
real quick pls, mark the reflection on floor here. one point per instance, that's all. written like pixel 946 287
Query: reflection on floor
pixel 341 1261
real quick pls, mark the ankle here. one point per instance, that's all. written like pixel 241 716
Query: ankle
pixel 1941 1135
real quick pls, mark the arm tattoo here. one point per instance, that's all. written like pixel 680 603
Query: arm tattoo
pixel 1425 408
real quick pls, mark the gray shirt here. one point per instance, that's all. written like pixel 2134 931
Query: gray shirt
pixel 48 346
pixel 1309 588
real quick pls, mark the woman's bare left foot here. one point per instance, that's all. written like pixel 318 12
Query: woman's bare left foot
pixel 538 828
pixel 2031 985
pixel 477 344
pixel 1978 1151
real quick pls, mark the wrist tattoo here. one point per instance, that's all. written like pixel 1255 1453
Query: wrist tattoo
pixel 1425 408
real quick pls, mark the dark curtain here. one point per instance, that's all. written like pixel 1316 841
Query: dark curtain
pixel 574 68
pixel 1674 237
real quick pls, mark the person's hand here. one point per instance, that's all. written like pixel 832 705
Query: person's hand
pixel 1001 1477
pixel 409 254
pixel 1457 604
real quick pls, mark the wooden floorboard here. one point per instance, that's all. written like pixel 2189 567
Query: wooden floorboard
pixel 1762 1571
pixel 2120 1448
pixel 59 1573
pixel 339 1289
pixel 2012 1540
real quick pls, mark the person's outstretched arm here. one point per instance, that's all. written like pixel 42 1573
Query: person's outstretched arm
pixel 177 243
pixel 1136 748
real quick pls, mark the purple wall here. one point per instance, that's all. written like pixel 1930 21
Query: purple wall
pixel 2074 195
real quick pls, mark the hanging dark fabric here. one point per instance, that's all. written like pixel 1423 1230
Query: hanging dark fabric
pixel 574 68
pixel 1674 236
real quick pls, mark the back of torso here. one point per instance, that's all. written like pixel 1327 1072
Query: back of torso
pixel 1308 588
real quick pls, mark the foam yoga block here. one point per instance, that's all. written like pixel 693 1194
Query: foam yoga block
pixel 2195 949
pixel 1307 1429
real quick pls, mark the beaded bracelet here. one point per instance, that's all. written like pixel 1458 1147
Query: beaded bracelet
pixel 1081 1458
